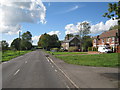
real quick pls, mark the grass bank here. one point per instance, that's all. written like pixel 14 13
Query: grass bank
pixel 104 60
pixel 8 55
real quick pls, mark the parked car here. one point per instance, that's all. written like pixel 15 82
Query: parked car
pixel 104 50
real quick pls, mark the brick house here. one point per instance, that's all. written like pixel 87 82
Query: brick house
pixel 70 42
pixel 108 39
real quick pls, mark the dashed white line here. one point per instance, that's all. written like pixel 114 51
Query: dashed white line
pixel 55 70
pixel 25 62
pixel 17 71
pixel 52 66
pixel 67 86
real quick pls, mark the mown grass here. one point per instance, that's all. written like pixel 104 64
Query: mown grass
pixel 8 55
pixel 104 60
pixel 66 53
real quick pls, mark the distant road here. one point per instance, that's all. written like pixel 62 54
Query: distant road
pixel 32 70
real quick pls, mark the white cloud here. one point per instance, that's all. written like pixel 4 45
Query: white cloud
pixel 35 39
pixel 95 29
pixel 101 27
pixel 73 8
pixel 54 32
pixel 9 42
pixel 69 10
pixel 71 29
pixel 12 14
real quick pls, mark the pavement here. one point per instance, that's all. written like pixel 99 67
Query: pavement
pixel 32 70
pixel 88 76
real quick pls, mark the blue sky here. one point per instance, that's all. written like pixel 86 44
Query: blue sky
pixel 60 14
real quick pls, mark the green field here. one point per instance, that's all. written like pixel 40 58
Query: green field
pixel 66 53
pixel 8 55
pixel 105 60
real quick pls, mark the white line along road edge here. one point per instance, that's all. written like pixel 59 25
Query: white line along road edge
pixel 63 73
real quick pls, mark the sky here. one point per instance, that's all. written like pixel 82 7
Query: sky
pixel 59 18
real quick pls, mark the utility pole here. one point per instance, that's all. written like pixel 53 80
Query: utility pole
pixel 19 41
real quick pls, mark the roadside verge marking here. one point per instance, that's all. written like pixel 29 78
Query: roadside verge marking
pixel 16 71
pixel 63 73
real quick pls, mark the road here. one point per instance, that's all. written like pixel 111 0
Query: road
pixel 32 70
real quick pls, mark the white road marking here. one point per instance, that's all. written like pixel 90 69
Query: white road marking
pixel 25 62
pixel 47 59
pixel 63 73
pixel 67 86
pixel 17 71
pixel 52 66
pixel 55 70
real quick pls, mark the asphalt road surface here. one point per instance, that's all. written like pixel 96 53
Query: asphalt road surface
pixel 32 70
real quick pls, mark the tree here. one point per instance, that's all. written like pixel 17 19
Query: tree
pixel 47 41
pixel 68 36
pixel 4 45
pixel 114 13
pixel 55 41
pixel 87 42
pixel 26 41
pixel 25 45
pixel 84 30
pixel 44 41
pixel 113 27
pixel 27 36
pixel 16 44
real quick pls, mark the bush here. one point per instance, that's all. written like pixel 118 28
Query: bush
pixel 92 49
pixel 71 49
pixel 61 50
pixel 54 49
pixel 95 49
pixel 89 48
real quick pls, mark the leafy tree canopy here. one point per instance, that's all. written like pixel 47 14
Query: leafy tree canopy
pixel 47 41
pixel 4 45
pixel 16 44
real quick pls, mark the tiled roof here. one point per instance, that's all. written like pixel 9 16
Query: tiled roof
pixel 67 41
pixel 110 33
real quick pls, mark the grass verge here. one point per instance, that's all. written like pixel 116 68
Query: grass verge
pixel 103 60
pixel 8 55
pixel 66 53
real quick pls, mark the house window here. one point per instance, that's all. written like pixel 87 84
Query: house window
pixel 72 43
pixel 117 39
pixel 113 39
pixel 108 40
pixel 102 40
pixel 78 43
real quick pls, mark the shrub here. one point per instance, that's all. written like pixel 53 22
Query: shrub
pixel 61 50
pixel 89 48
pixel 71 49
pixel 95 49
